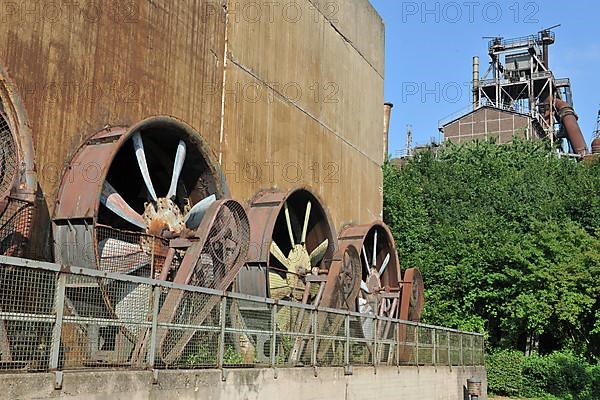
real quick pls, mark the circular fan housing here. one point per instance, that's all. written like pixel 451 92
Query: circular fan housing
pixel 18 184
pixel 379 271
pixel 292 242
pixel 127 191
pixel 8 161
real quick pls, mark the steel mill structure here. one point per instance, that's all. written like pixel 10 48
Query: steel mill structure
pixel 518 95
pixel 198 189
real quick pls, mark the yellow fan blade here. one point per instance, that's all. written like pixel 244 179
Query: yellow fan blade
pixel 278 286
pixel 317 254
pixel 278 254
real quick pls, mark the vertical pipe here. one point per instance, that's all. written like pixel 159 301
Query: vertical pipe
pixel 569 120
pixel 475 82
pixel 545 55
pixel 497 79
pixel 387 115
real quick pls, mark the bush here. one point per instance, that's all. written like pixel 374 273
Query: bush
pixel 560 375
pixel 593 391
pixel 505 372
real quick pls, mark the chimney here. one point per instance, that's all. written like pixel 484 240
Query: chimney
pixel 387 114
pixel 475 82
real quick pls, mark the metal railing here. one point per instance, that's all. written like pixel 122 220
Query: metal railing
pixel 55 317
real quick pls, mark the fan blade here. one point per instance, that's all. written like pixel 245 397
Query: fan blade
pixel 138 145
pixel 367 324
pixel 386 261
pixel 177 167
pixel 317 254
pixel 375 249
pixel 364 252
pixel 289 223
pixel 278 287
pixel 194 216
pixel 115 203
pixel 121 257
pixel 364 287
pixel 278 254
pixel 306 219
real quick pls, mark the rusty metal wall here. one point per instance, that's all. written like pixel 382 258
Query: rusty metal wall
pixel 80 66
pixel 304 91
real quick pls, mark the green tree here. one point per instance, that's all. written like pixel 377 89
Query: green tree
pixel 507 238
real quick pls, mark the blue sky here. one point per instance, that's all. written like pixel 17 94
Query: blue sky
pixel 430 45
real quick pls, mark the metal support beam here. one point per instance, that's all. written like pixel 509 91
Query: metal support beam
pixel 223 323
pixel 273 344
pixel 59 310
pixel 154 329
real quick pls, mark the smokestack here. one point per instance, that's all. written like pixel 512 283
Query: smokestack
pixel 475 82
pixel 387 114
pixel 569 120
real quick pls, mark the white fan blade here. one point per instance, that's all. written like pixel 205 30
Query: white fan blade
pixel 115 203
pixel 138 145
pixel 368 324
pixel 278 254
pixel 306 219
pixel 194 216
pixel 364 252
pixel 364 287
pixel 375 249
pixel 385 264
pixel 317 254
pixel 117 248
pixel 122 257
pixel 289 223
pixel 177 167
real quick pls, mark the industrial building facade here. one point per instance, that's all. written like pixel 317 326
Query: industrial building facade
pixel 488 123
pixel 285 95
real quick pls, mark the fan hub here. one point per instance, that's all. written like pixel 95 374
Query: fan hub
pixel 374 281
pixel 299 260
pixel 164 215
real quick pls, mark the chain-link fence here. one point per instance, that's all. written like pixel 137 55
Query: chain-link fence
pixel 59 318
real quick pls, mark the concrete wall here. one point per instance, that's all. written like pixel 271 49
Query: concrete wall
pixel 317 67
pixel 256 384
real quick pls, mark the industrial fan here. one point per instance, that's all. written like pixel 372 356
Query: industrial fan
pixel 17 192
pixel 19 340
pixel 213 262
pixel 293 242
pixel 8 161
pixel 293 237
pixel 380 285
pixel 125 196
pixel 413 297
pixel 376 288
pixel 131 168
pixel 413 300
pixel 290 277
